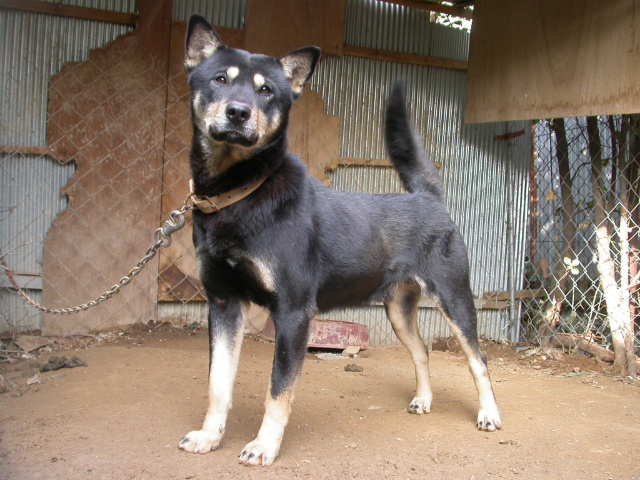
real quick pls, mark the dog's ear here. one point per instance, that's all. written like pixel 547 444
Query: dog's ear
pixel 202 42
pixel 298 67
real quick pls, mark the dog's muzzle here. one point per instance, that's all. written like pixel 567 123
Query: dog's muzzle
pixel 238 113
pixel 233 136
pixel 235 126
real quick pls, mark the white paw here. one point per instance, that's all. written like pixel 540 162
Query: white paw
pixel 200 441
pixel 420 406
pixel 489 420
pixel 258 453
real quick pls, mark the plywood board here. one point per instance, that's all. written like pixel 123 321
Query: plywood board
pixel 177 272
pixel 557 58
pixel 276 27
pixel 107 114
pixel 314 135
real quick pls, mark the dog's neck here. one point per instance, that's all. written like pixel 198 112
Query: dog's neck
pixel 219 157
pixel 217 168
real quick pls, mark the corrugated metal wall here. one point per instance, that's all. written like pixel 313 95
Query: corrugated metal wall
pixel 387 26
pixel 32 48
pixel 486 180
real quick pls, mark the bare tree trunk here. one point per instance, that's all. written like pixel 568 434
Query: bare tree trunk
pixel 618 324
pixel 633 179
pixel 625 250
pixel 566 190
pixel 560 277
pixel 615 155
pixel 533 198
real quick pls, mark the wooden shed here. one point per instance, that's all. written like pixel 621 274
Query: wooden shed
pixel 96 104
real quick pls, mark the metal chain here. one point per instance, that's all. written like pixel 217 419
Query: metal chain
pixel 162 238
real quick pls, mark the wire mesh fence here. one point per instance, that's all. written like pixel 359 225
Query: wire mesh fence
pixel 78 206
pixel 582 269
pixel 94 156
pixel 93 159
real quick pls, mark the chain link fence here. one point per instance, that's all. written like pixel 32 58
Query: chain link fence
pixel 94 159
pixel 581 274
pixel 94 145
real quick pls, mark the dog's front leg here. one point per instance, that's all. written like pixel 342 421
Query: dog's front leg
pixel 290 350
pixel 226 331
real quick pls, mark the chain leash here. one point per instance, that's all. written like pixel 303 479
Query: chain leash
pixel 162 238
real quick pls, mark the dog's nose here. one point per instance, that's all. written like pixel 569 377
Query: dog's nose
pixel 238 113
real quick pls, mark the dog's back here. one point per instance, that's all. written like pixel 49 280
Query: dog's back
pixel 373 242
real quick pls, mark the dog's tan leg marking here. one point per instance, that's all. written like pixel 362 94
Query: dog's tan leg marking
pixel 222 373
pixel 264 449
pixel 488 415
pixel 402 311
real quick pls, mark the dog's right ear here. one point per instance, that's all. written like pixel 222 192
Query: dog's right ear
pixel 202 42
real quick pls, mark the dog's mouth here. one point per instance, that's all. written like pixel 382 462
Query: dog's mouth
pixel 234 137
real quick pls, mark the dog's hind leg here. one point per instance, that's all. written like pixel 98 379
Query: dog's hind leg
pixel 226 331
pixel 456 304
pixel 402 310
pixel 292 332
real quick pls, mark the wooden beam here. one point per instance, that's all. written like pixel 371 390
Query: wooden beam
pixel 404 58
pixel 29 281
pixel 519 295
pixel 553 59
pixel 374 162
pixel 509 135
pixel 235 38
pixel 478 303
pixel 63 10
pixel 456 11
pixel 24 150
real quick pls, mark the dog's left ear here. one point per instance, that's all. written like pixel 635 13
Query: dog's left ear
pixel 202 42
pixel 298 67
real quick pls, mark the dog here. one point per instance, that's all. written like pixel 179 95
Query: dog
pixel 267 232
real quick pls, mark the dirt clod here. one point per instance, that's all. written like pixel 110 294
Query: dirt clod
pixel 352 367
pixel 56 363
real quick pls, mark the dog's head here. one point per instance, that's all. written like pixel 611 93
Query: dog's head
pixel 241 100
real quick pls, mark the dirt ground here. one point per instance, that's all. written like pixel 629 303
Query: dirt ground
pixel 122 416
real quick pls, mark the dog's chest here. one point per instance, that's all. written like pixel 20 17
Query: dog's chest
pixel 238 273
pixel 253 269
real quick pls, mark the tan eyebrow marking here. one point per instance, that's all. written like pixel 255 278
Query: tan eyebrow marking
pixel 259 80
pixel 233 72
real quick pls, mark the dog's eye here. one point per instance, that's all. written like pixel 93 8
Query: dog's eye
pixel 265 90
pixel 221 79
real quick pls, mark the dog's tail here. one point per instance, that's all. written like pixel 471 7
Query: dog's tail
pixel 417 172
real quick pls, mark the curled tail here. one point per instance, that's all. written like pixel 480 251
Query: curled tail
pixel 417 172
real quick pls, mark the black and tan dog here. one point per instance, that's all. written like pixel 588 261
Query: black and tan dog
pixel 268 233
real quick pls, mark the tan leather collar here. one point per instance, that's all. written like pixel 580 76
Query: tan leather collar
pixel 217 203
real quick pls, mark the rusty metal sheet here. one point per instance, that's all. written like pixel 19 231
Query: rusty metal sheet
pixel 329 334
